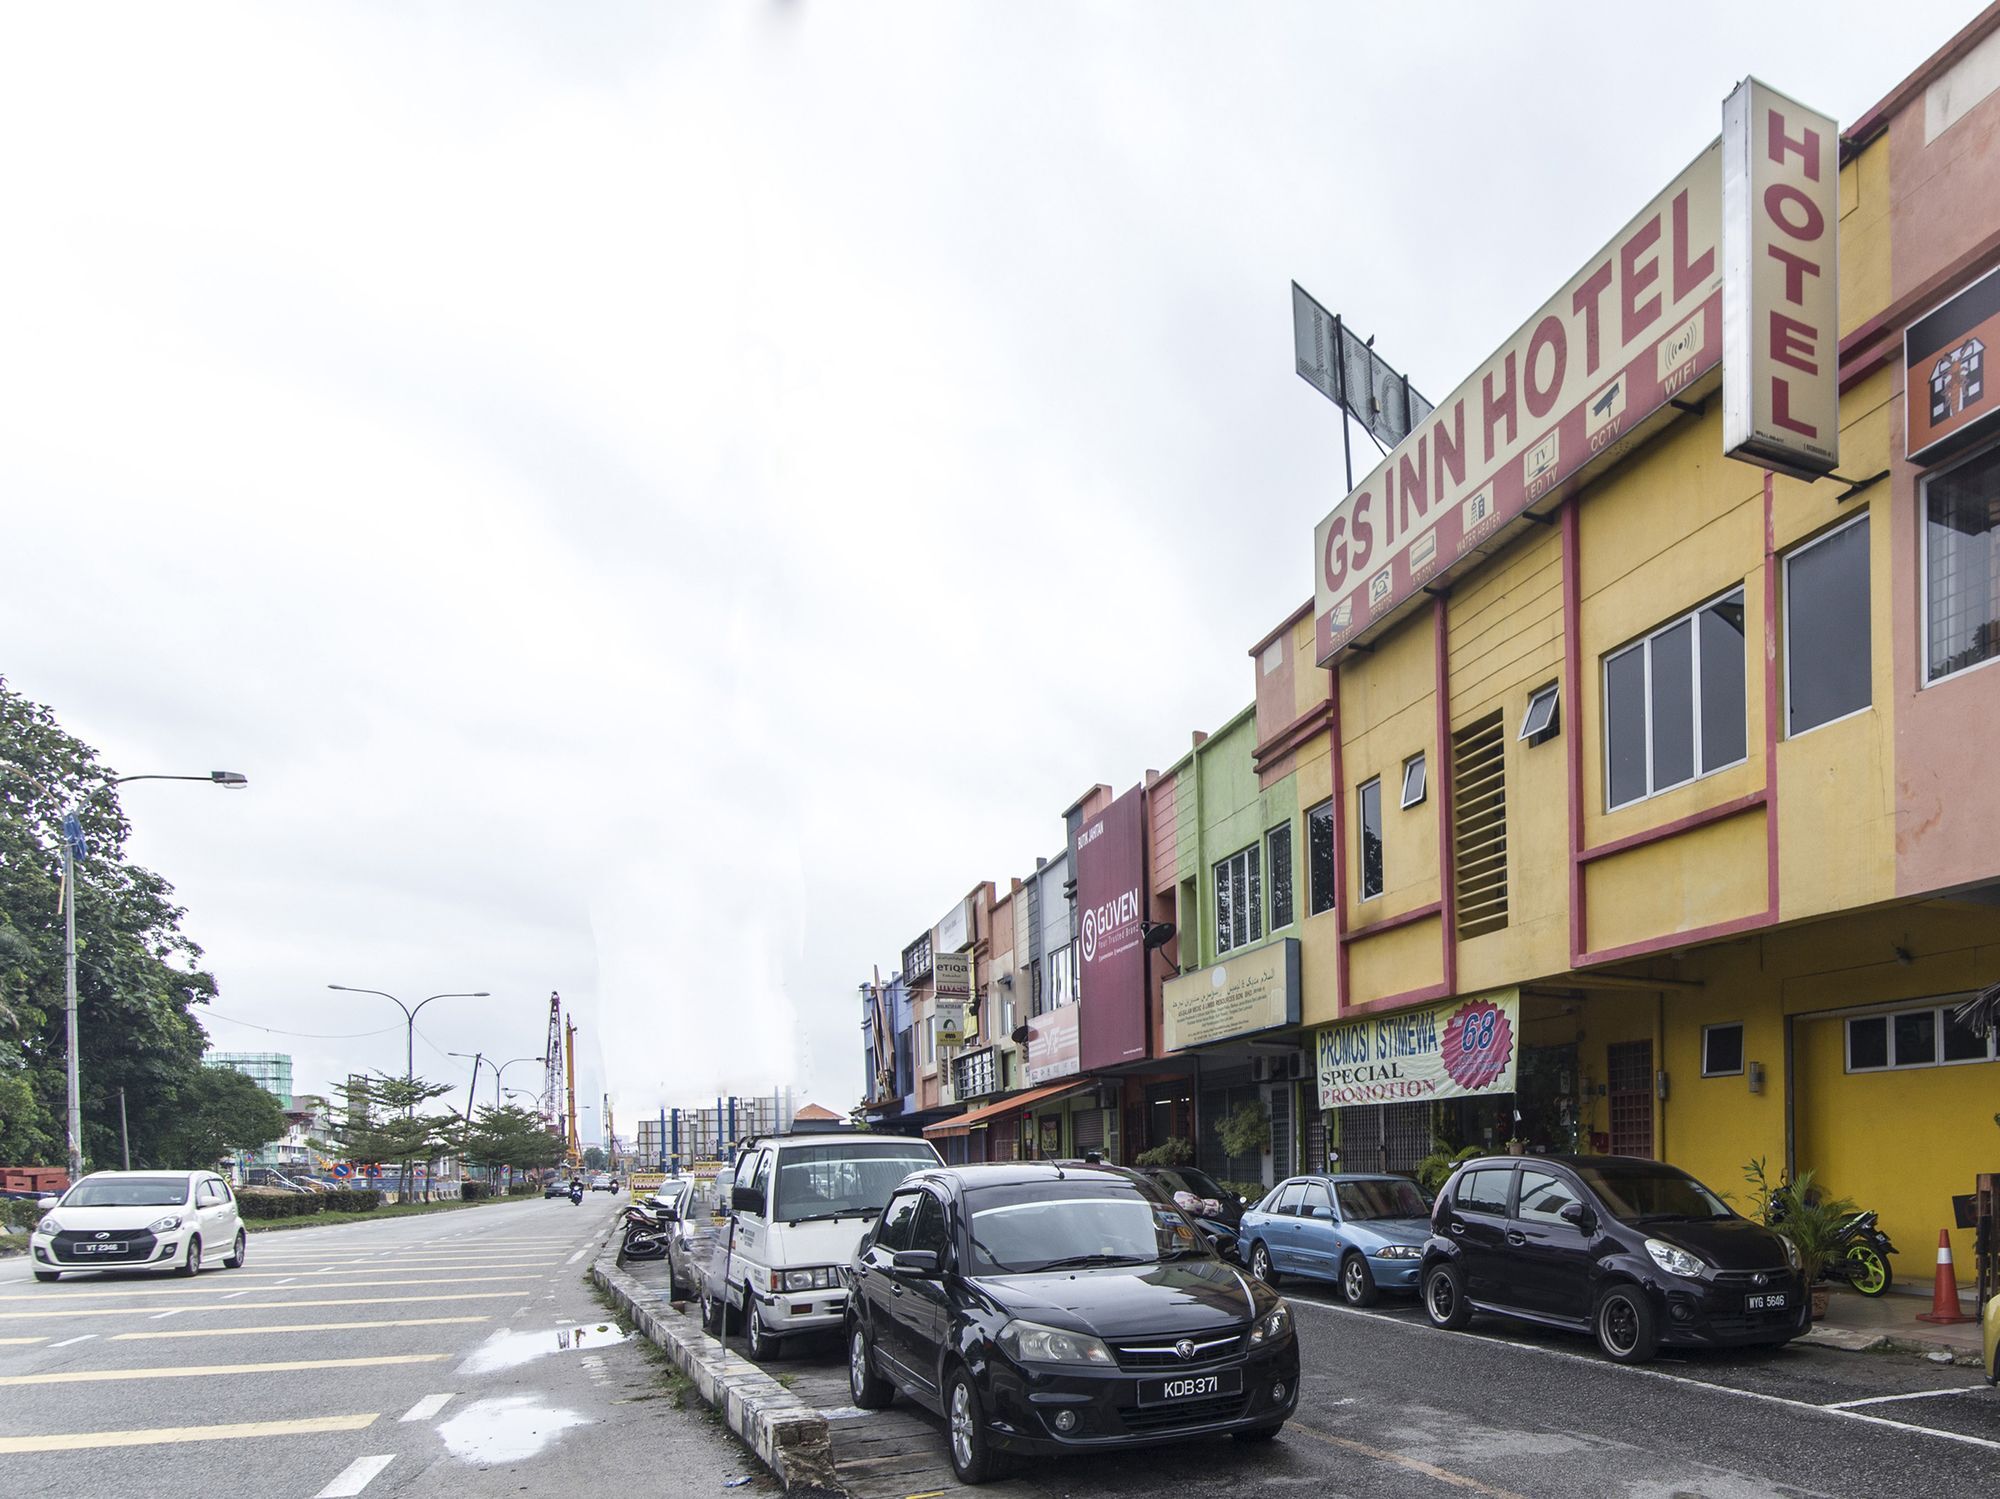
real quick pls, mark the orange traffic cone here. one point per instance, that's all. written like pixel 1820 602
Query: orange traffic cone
pixel 1944 1300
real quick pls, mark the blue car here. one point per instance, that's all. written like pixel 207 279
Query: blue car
pixel 1364 1233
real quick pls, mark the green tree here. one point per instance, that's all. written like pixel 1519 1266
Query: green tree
pixel 377 1122
pixel 139 976
pixel 221 1111
pixel 512 1137
pixel 594 1158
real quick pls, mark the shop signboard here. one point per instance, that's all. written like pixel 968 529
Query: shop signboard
pixel 1944 372
pixel 1458 1049
pixel 954 931
pixel 1251 991
pixel 1780 283
pixel 1109 861
pixel 1053 1045
pixel 952 976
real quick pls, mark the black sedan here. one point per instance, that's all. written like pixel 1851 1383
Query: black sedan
pixel 1636 1252
pixel 1046 1308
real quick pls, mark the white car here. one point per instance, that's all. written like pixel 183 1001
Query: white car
pixel 139 1220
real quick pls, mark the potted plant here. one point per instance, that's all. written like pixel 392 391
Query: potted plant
pixel 1812 1222
pixel 1517 1146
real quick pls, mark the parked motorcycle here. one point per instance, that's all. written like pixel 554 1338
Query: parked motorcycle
pixel 645 1236
pixel 1861 1257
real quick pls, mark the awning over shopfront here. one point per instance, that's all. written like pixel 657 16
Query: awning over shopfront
pixel 962 1124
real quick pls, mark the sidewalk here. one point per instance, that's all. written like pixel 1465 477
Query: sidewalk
pixel 1862 1324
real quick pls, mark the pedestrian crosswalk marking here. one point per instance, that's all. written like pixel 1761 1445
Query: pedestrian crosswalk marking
pixel 427 1407
pixel 203 1371
pixel 78 1441
pixel 356 1476
pixel 266 1306
pixel 237 1332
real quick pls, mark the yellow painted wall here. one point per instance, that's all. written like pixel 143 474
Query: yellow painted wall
pixel 1409 957
pixel 1711 874
pixel 1864 237
pixel 1319 958
pixel 1389 712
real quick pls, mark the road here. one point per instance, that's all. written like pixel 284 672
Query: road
pixel 1393 1407
pixel 410 1356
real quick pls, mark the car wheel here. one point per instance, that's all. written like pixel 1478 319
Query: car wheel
pixel 711 1312
pixel 972 1456
pixel 192 1264
pixel 235 1261
pixel 1258 1433
pixel 870 1390
pixel 1867 1270
pixel 1444 1297
pixel 1625 1327
pixel 1260 1265
pixel 1357 1282
pixel 761 1341
pixel 48 1275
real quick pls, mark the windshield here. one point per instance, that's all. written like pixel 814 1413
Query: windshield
pixel 822 1181
pixel 128 1192
pixel 1361 1201
pixel 1635 1196
pixel 1057 1225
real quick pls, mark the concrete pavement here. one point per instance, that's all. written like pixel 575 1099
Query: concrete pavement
pixel 409 1356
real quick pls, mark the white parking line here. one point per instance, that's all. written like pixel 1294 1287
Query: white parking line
pixel 1680 1379
pixel 427 1407
pixel 577 1256
pixel 356 1476
pixel 162 1316
pixel 83 1338
pixel 1848 1405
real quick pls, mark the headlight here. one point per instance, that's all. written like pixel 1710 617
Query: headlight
pixel 819 1279
pixel 1272 1326
pixel 1673 1259
pixel 1030 1342
pixel 49 1226
pixel 1791 1252
pixel 1399 1252
pixel 163 1225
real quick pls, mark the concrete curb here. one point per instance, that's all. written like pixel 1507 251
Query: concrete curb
pixel 789 1436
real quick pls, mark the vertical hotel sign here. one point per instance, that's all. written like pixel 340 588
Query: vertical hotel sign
pixel 1109 861
pixel 1780 291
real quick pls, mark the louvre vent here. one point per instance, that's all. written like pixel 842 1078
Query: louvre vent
pixel 1479 825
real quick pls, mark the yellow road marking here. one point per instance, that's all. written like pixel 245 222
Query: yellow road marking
pixel 256 1306
pixel 77 1441
pixel 14 1342
pixel 347 1285
pixel 195 1371
pixel 1397 1460
pixel 235 1332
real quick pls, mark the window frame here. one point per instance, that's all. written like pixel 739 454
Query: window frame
pixel 1550 693
pixel 1253 927
pixel 1785 590
pixel 1373 783
pixel 1924 678
pixel 1742 1051
pixel 1323 811
pixel 1692 619
pixel 1272 865
pixel 1421 765
pixel 1938 1009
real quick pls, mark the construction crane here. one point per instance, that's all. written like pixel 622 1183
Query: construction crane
pixel 552 1071
pixel 610 1137
pixel 575 1148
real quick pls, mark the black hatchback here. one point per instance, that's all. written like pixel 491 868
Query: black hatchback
pixel 1636 1252
pixel 1046 1308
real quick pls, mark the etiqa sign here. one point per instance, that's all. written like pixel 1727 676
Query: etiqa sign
pixel 1780 291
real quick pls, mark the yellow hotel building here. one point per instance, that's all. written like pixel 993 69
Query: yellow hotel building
pixel 1706 758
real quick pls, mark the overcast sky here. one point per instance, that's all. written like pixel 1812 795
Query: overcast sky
pixel 662 499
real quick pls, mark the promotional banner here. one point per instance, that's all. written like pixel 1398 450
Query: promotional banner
pixel 1454 1050
pixel 1052 1045
pixel 1109 862
pixel 1249 992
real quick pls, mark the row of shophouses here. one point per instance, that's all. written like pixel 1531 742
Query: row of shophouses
pixel 1632 781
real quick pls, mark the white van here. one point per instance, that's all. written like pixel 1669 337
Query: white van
pixel 799 1205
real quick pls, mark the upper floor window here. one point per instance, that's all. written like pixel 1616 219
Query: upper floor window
pixel 1369 824
pixel 1413 780
pixel 1926 1037
pixel 1278 849
pixel 1319 858
pixel 1962 566
pixel 1674 703
pixel 1062 976
pixel 1239 901
pixel 1828 662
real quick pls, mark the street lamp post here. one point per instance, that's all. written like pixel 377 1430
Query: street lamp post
pixel 72 841
pixel 410 1038
pixel 501 1071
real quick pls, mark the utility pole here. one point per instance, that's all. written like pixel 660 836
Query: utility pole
pixel 69 1006
pixel 124 1135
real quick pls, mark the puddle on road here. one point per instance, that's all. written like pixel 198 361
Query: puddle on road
pixel 506 1429
pixel 510 1350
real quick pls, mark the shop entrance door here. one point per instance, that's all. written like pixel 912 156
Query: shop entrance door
pixel 1630 1095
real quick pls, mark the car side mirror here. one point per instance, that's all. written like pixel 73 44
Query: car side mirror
pixel 1578 1214
pixel 747 1200
pixel 48 1204
pixel 1221 1239
pixel 918 1262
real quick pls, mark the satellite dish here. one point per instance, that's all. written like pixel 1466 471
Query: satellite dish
pixel 1156 934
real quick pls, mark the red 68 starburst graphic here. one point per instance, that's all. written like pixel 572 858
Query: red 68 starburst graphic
pixel 1477 1043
